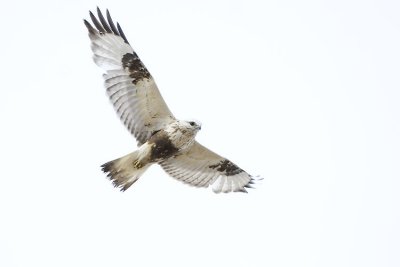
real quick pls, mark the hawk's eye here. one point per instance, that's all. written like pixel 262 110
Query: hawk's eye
pixel 192 123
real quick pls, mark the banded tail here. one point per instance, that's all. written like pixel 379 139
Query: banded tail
pixel 125 171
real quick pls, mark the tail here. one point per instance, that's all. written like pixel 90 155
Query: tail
pixel 123 172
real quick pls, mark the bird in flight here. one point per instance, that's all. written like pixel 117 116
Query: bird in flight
pixel 162 139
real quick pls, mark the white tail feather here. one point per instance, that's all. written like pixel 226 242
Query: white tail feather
pixel 123 172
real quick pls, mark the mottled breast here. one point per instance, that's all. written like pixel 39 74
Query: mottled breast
pixel 162 147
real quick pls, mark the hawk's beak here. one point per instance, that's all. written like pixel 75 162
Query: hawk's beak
pixel 199 127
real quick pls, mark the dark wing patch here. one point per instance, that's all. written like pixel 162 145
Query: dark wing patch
pixel 226 167
pixel 130 86
pixel 135 66
pixel 201 167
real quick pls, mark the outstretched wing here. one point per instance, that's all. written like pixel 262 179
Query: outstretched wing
pixel 201 167
pixel 131 88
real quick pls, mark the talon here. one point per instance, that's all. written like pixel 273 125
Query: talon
pixel 137 164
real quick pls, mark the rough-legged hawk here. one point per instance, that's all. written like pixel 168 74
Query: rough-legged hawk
pixel 161 137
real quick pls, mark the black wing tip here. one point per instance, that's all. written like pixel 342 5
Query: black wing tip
pixel 111 22
pixel 121 33
pixel 103 25
pixel 96 23
pixel 254 180
pixel 89 27
pixel 242 190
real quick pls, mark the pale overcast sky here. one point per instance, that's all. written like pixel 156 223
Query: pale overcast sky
pixel 303 93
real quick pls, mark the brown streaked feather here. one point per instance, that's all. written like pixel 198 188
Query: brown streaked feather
pixel 135 66
pixel 227 167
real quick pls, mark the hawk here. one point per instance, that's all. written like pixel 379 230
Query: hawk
pixel 162 139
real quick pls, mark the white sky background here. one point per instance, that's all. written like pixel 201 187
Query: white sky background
pixel 304 93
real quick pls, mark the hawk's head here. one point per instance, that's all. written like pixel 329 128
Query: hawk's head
pixel 182 133
pixel 189 128
pixel 195 125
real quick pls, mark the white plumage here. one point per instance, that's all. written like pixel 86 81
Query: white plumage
pixel 162 138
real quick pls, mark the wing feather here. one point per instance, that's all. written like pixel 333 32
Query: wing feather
pixel 103 21
pixel 96 23
pixel 130 87
pixel 111 23
pixel 201 167
pixel 121 33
